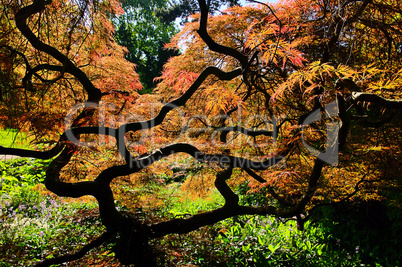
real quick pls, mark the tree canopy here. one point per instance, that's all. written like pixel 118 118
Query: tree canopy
pixel 285 96
pixel 184 8
pixel 56 57
pixel 144 35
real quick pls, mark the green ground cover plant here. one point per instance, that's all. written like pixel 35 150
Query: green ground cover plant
pixel 35 225
pixel 367 234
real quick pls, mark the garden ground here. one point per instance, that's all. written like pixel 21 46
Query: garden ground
pixel 38 225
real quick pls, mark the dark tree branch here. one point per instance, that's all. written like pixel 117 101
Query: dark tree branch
pixel 345 117
pixel 269 188
pixel 21 18
pixel 27 80
pixel 185 225
pixel 224 160
pixel 28 86
pixel 32 153
pixel 344 198
pixel 231 199
pixel 339 24
pixel 226 130
pixel 120 132
pixel 55 185
pixel 136 165
pixel 250 132
pixel 382 27
pixel 202 31
pixel 79 254
pixel 111 218
pixel 373 98
pixel 376 124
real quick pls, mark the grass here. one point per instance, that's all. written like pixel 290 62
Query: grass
pixel 186 206
pixel 13 138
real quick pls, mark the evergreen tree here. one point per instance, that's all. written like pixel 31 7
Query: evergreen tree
pixel 144 35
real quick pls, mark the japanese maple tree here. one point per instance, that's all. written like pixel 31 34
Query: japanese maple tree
pixel 272 92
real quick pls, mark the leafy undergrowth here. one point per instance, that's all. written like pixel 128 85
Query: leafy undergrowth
pixel 36 225
pixel 336 237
